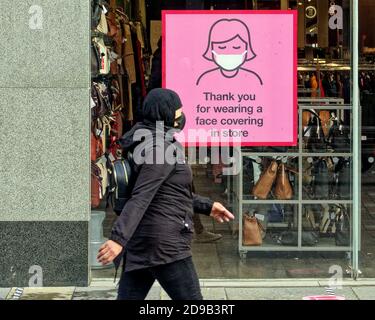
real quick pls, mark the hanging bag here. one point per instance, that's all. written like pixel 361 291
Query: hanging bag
pixel 96 13
pixel 283 188
pixel 103 24
pixel 104 60
pixel 343 181
pixel 321 179
pixel 263 186
pixel 315 141
pixel 95 60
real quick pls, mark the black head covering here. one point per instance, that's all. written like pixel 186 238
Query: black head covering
pixel 161 105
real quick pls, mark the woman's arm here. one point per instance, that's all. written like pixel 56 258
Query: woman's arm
pixel 202 205
pixel 208 207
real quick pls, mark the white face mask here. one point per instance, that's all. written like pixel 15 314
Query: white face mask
pixel 229 62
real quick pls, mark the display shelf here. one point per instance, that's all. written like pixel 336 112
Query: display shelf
pixel 299 152
pixel 244 250
pixel 328 201
pixel 327 154
pixel 325 107
pixel 270 201
pixel 296 154
pixel 273 154
pixel 328 101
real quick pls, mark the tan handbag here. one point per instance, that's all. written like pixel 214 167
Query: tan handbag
pixel 283 188
pixel 325 118
pixel 263 186
pixel 252 231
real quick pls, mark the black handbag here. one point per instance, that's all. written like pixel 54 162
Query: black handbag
pixel 339 136
pixel 121 182
pixel 342 170
pixel 95 60
pixel 290 238
pixel 248 174
pixel 321 179
pixel 96 12
pixel 316 141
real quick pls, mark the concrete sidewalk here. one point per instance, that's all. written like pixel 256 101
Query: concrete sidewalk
pixel 216 289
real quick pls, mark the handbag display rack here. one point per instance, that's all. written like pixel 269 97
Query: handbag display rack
pixel 273 209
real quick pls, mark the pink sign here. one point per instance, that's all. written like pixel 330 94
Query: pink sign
pixel 235 72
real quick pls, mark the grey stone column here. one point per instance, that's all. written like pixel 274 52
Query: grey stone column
pixel 44 142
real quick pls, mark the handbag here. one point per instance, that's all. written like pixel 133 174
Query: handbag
pixel 343 181
pixel 276 213
pixel 96 13
pixel 308 220
pixel 342 235
pixel 95 185
pixel 96 147
pixel 315 141
pixel 95 60
pixel 252 231
pixel 101 163
pixel 102 106
pixel 104 61
pixel 248 173
pixel 339 135
pixel 290 238
pixel 310 236
pixel 305 118
pixel 263 186
pixel 103 24
pixel 325 120
pixel 321 179
pixel 283 188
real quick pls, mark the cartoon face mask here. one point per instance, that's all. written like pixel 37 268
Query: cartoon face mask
pixel 229 62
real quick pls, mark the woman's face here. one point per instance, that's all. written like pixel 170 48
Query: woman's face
pixel 179 119
pixel 234 46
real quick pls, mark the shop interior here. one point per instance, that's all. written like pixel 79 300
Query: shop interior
pixel 313 182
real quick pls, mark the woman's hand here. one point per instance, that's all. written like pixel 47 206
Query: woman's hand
pixel 108 252
pixel 220 213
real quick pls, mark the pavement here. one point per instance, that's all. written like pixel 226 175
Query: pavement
pixel 215 289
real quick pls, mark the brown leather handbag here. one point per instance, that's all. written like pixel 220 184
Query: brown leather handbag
pixel 325 118
pixel 263 186
pixel 251 231
pixel 305 118
pixel 283 188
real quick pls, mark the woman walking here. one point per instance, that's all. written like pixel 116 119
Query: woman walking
pixel 154 231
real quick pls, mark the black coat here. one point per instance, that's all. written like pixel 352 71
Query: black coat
pixel 155 226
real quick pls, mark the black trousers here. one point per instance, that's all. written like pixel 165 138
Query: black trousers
pixel 179 279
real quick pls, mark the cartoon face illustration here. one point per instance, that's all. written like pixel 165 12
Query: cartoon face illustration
pixel 229 48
